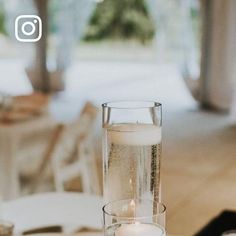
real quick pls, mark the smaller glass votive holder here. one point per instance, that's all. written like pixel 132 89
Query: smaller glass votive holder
pixel 6 228
pixel 134 217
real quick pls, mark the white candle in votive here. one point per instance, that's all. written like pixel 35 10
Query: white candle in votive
pixel 134 134
pixel 138 229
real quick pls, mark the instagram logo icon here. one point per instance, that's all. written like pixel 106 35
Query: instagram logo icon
pixel 28 28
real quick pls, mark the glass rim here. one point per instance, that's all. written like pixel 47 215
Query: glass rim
pixel 131 104
pixel 138 217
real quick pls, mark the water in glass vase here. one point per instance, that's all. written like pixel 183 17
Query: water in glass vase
pixel 132 155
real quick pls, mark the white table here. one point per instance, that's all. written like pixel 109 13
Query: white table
pixel 12 138
pixel 72 211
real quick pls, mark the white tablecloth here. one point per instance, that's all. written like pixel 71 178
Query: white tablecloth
pixel 72 211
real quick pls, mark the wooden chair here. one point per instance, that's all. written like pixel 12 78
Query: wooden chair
pixel 71 153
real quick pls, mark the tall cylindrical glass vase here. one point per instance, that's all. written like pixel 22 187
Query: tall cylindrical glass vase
pixel 132 150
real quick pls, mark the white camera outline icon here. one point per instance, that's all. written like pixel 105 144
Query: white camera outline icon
pixel 32 23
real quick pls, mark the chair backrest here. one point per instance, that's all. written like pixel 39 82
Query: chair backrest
pixel 71 211
pixel 71 154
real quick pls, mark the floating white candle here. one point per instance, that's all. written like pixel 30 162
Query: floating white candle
pixel 138 229
pixel 134 134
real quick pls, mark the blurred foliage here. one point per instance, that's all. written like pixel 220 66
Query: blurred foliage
pixel 2 21
pixel 120 19
pixel 196 24
pixel 53 9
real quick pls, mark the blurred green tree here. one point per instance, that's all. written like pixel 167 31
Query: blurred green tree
pixel 2 21
pixel 120 19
